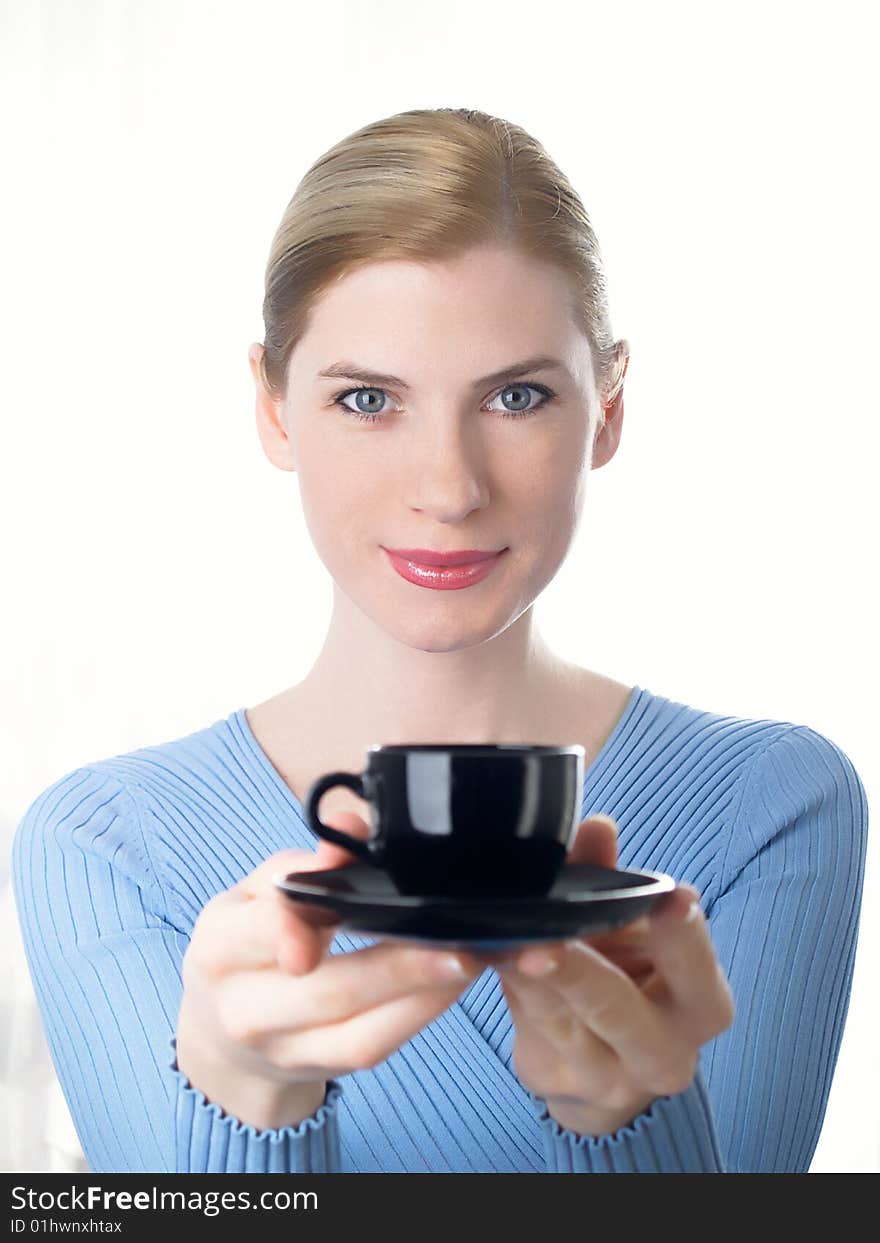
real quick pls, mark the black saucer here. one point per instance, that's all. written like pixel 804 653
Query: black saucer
pixel 584 901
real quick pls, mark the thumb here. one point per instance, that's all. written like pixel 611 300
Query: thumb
pixel 676 906
pixel 328 854
pixel 595 842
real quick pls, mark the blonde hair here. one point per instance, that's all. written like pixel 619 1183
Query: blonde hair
pixel 426 185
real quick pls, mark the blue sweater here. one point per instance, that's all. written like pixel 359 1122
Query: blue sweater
pixel 113 863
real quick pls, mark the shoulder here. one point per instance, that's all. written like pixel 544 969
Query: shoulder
pixel 778 763
pixel 170 762
pixel 93 795
pixel 803 775
pixel 747 746
pixel 79 844
pixel 705 790
pixel 96 823
pixel 803 766
pixel 82 803
pixel 801 796
pixel 680 751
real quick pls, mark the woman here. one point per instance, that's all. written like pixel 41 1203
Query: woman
pixel 439 371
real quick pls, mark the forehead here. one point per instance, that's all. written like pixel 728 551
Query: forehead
pixel 481 310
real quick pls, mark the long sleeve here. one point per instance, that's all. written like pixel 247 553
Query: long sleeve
pixel 105 960
pixel 784 923
pixel 114 862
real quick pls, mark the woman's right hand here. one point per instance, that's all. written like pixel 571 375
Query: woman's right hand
pixel 268 1015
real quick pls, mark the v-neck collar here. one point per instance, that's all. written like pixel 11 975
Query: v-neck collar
pixel 590 773
pixel 458 1021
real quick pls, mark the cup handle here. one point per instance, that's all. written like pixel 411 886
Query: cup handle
pixel 352 781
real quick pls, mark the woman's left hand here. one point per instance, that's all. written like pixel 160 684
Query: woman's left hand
pixel 618 1019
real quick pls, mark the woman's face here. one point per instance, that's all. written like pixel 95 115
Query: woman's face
pixel 440 461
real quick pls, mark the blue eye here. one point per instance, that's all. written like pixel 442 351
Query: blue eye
pixel 375 416
pixel 522 388
pixel 366 416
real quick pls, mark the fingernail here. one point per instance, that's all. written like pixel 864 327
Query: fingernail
pixel 538 964
pixel 600 815
pixel 693 913
pixel 450 967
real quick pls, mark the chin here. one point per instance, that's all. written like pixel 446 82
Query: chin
pixel 446 634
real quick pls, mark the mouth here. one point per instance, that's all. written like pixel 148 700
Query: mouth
pixel 428 556
pixel 443 571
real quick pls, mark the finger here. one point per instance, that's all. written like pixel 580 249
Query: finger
pixel 253 924
pixel 261 881
pixel 630 959
pixel 253 933
pixel 627 945
pixel 595 842
pixel 367 1038
pixel 604 999
pixel 330 854
pixel 695 984
pixel 344 985
pixel 625 940
pixel 327 855
pixel 300 955
pixel 300 932
pixel 552 1023
pixel 496 957
pixel 635 932
pixel 673 905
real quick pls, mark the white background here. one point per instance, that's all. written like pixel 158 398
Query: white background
pixel 156 570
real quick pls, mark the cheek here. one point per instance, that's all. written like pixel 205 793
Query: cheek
pixel 549 483
pixel 346 487
pixel 557 450
pixel 341 494
pixel 552 496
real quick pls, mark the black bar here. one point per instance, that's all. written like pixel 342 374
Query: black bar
pixel 294 1206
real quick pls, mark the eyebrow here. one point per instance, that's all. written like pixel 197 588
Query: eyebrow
pixel 354 371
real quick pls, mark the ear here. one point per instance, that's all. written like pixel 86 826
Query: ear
pixel 607 435
pixel 271 424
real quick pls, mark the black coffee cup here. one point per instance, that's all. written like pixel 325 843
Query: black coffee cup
pixel 464 819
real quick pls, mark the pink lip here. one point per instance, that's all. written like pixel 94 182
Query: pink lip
pixel 426 556
pixel 445 577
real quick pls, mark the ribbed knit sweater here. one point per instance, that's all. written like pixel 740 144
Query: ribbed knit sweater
pixel 113 863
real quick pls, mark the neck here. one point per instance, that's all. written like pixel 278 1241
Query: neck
pixel 373 688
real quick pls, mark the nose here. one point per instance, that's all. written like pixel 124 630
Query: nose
pixel 446 471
